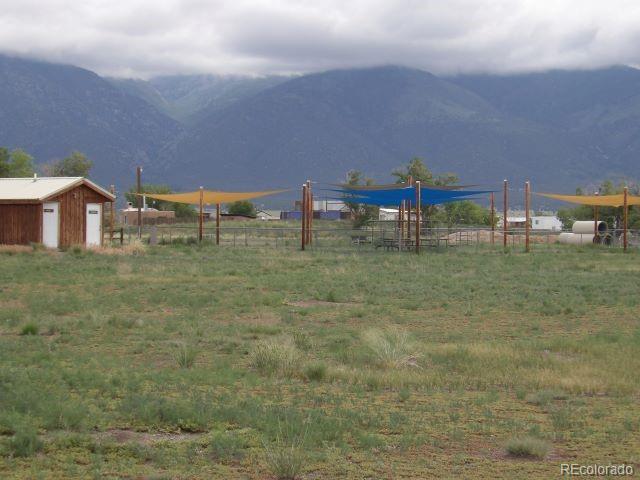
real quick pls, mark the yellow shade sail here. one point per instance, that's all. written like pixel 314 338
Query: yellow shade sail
pixel 210 197
pixel 595 200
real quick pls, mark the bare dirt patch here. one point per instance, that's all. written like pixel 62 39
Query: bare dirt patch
pixel 147 438
pixel 319 303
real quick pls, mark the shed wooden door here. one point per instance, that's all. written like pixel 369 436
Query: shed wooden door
pixel 94 224
pixel 51 224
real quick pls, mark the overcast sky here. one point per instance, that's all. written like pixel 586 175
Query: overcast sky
pixel 142 38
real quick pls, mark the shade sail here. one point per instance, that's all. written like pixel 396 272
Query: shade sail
pixel 396 195
pixel 595 200
pixel 396 186
pixel 384 203
pixel 210 197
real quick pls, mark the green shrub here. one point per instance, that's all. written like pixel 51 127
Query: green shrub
pixel 315 371
pixel 29 329
pixel 226 446
pixel 275 357
pixel 404 394
pixel 528 447
pixel 184 353
pixel 25 442
pixel 193 414
pixel 64 414
pixel 561 419
pixel 331 296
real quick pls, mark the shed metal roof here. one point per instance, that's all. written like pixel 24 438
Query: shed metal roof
pixel 42 188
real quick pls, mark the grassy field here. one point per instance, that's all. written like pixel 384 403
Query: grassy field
pixel 201 362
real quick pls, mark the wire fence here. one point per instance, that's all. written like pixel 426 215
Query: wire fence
pixel 382 235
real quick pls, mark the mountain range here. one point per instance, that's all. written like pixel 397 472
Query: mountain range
pixel 561 129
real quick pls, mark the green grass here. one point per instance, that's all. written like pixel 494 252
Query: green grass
pixel 191 361
pixel 24 442
pixel 29 329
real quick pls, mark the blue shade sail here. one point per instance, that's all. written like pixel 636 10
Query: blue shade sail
pixel 382 197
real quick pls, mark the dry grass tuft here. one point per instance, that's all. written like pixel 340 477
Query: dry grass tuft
pixel 133 249
pixel 276 357
pixel 528 447
pixel 9 249
pixel 392 348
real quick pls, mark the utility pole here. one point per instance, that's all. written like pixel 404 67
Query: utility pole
pixel 139 197
pixel 527 217
pixel 505 227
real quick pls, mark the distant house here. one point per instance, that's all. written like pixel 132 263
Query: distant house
pixel 268 214
pixel 387 214
pixel 291 215
pixel 54 211
pixel 328 205
pixel 322 210
pixel 149 216
pixel 518 219
pixel 546 222
pixel 391 214
pixel 516 222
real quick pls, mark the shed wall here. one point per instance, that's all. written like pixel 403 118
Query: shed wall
pixel 73 205
pixel 20 224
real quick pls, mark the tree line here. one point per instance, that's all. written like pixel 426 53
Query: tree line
pixel 19 164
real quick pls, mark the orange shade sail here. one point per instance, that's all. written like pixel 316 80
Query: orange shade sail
pixel 210 197
pixel 595 200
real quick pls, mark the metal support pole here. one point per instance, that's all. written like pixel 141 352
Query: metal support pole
pixel 111 217
pixel 304 217
pixel 409 183
pixel 218 224
pixel 418 201
pixel 493 218
pixel 401 220
pixel 505 227
pixel 625 217
pixel 527 217
pixel 139 199
pixel 201 215
pixel 309 212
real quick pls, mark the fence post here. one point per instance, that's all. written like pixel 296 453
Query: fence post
pixel 493 218
pixel 505 227
pixel 218 224
pixel 625 217
pixel 418 201
pixel 526 216
pixel 304 217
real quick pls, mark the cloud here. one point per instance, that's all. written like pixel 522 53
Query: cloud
pixel 146 38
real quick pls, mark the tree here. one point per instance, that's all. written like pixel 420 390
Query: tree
pixel 75 165
pixel 463 212
pixel 16 163
pixel 182 210
pixel 360 213
pixel 417 170
pixel 242 207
